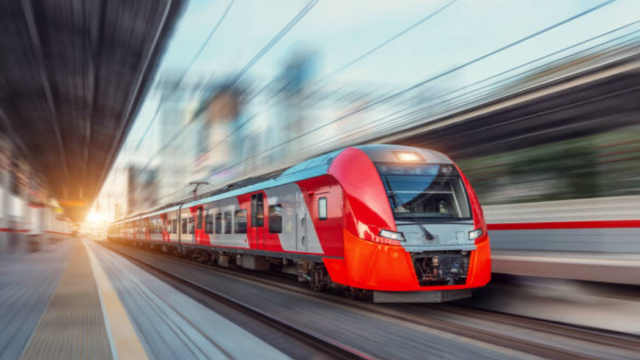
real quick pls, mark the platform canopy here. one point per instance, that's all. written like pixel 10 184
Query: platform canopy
pixel 72 77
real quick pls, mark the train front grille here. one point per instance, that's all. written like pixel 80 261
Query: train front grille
pixel 441 268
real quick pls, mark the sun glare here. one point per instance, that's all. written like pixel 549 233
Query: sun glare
pixel 95 218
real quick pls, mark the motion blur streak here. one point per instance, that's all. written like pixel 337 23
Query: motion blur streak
pixel 120 119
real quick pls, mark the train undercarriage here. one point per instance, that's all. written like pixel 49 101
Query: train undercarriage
pixel 432 269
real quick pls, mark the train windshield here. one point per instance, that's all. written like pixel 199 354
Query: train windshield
pixel 419 192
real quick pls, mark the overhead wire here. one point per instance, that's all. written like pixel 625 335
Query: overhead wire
pixel 388 41
pixel 347 65
pixel 193 60
pixel 295 20
pixel 185 72
pixel 475 91
pixel 373 128
pixel 421 83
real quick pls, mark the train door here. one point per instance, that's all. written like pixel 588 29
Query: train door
pixel 164 229
pixel 200 225
pixel 301 223
pixel 181 230
pixel 257 219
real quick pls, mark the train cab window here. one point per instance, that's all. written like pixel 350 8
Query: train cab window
pixel 219 223
pixel 208 224
pixel 228 222
pixel 257 210
pixel 184 226
pixel 241 222
pixel 322 208
pixel 200 218
pixel 275 219
pixel 192 225
pixel 425 192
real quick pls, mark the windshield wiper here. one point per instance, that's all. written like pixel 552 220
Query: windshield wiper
pixel 446 222
pixel 395 199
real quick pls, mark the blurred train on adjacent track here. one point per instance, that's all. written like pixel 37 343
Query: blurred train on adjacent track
pixel 574 195
pixel 400 223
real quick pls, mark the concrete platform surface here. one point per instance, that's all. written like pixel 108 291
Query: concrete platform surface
pixel 78 300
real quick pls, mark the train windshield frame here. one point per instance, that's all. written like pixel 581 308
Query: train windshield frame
pixel 425 192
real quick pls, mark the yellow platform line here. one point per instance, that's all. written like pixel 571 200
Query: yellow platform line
pixel 125 340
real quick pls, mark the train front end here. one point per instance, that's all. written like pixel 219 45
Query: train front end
pixel 414 229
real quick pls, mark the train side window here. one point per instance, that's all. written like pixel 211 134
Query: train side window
pixel 275 219
pixel 219 223
pixel 174 226
pixel 228 220
pixel 322 208
pixel 200 218
pixel 241 222
pixel 192 225
pixel 208 224
pixel 184 225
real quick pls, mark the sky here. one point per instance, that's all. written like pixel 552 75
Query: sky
pixel 337 31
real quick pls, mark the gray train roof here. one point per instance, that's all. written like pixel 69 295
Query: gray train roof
pixel 386 153
pixel 308 169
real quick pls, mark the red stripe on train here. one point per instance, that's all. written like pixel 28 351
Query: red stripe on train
pixel 606 224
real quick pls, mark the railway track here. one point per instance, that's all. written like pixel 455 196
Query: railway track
pixel 324 345
pixel 512 342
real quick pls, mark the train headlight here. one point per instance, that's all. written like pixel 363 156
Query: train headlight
pixel 398 236
pixel 475 234
pixel 408 156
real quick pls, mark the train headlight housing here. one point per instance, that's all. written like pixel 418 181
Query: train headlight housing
pixel 398 236
pixel 475 234
pixel 406 156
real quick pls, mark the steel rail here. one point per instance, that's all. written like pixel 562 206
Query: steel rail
pixel 324 344
pixel 506 341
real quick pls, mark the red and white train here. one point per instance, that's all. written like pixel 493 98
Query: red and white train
pixel 401 222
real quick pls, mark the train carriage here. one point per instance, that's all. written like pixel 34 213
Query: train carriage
pixel 401 222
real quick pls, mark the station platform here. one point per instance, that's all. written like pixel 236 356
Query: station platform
pixel 78 300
